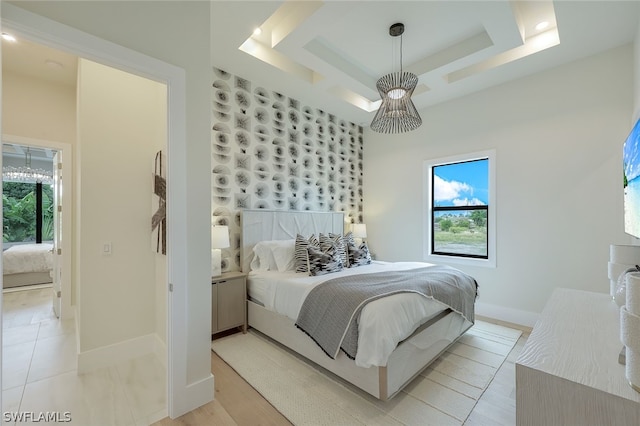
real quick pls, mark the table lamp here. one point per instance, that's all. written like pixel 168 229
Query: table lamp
pixel 219 240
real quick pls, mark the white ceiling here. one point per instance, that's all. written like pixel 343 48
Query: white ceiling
pixel 330 54
pixel 38 61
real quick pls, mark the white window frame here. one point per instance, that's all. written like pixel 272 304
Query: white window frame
pixel 490 262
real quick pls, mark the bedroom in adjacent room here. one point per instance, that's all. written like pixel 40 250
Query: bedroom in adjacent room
pixel 28 217
pixel 31 272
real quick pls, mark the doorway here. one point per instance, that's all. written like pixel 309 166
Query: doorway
pixel 33 255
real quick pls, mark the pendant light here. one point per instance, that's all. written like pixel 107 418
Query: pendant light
pixel 26 173
pixel 397 113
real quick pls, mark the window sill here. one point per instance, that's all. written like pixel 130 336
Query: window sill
pixel 469 261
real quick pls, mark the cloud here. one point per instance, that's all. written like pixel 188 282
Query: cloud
pixel 468 202
pixel 449 190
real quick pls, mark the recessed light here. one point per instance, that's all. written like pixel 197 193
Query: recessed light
pixel 257 31
pixel 53 64
pixel 542 25
pixel 8 37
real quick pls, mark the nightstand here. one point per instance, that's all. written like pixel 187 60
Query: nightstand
pixel 228 302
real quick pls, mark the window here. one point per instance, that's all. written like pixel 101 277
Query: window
pixel 27 212
pixel 460 209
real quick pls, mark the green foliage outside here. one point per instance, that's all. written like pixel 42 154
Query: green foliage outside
pixel 479 217
pixel 625 182
pixel 462 240
pixel 462 234
pixel 19 212
pixel 445 224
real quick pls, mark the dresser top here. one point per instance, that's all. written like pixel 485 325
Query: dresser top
pixel 577 338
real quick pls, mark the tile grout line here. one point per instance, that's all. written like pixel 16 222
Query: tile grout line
pixel 24 386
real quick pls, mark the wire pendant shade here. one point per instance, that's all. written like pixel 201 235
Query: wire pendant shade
pixel 397 113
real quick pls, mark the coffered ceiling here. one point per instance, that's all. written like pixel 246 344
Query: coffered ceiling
pixel 329 54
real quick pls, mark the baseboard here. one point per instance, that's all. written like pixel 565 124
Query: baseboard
pixel 106 356
pixel 511 316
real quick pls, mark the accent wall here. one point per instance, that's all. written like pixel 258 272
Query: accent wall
pixel 270 151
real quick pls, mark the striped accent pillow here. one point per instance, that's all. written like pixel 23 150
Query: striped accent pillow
pixel 339 242
pixel 357 255
pixel 325 260
pixel 300 252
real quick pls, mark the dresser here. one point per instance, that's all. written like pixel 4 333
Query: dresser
pixel 568 371
pixel 229 302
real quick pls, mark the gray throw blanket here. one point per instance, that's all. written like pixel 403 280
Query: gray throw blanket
pixel 330 313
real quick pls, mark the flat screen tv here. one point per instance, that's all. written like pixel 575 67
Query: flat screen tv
pixel 631 168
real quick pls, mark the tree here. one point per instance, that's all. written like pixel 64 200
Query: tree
pixel 463 223
pixel 479 217
pixel 19 212
pixel 19 218
pixel 446 224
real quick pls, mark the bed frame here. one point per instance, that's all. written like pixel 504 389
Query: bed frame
pixel 26 278
pixel 409 358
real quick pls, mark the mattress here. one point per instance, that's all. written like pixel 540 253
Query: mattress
pixel 24 258
pixel 383 323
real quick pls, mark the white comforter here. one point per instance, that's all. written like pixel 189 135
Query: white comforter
pixel 383 323
pixel 27 258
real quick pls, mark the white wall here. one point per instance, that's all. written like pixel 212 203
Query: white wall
pixel 118 114
pixel 38 109
pixel 558 138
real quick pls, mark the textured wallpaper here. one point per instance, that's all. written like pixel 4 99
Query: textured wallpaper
pixel 270 151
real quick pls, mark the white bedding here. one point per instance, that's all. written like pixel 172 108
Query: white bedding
pixel 383 323
pixel 27 258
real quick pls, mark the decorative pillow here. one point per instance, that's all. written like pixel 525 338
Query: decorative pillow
pixel 300 251
pixel 338 241
pixel 341 245
pixel 324 261
pixel 358 255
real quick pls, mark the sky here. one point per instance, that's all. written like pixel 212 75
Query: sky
pixel 462 184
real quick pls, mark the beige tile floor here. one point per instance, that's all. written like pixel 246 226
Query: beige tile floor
pixel 39 373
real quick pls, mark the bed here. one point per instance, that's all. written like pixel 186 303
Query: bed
pixel 385 360
pixel 27 264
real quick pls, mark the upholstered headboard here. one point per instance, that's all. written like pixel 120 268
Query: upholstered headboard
pixel 264 225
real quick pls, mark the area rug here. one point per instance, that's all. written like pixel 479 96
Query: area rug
pixel 444 393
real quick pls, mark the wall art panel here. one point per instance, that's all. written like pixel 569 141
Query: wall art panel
pixel 270 151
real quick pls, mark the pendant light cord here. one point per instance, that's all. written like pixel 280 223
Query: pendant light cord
pixel 400 53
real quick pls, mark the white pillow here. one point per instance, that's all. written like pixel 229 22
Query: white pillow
pixel 284 255
pixel 275 255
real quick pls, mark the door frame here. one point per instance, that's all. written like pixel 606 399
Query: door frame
pixel 182 396
pixel 66 309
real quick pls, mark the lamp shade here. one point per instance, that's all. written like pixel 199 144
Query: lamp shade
pixel 359 230
pixel 397 113
pixel 219 236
